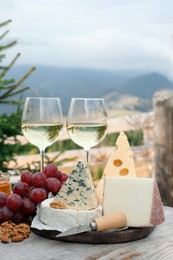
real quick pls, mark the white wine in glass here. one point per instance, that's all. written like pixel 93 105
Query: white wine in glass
pixel 42 122
pixel 87 122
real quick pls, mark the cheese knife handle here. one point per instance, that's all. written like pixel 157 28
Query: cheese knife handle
pixel 111 221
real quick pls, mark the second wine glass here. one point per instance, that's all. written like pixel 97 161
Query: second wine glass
pixel 87 122
pixel 42 122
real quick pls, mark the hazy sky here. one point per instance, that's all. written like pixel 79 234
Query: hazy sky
pixel 103 34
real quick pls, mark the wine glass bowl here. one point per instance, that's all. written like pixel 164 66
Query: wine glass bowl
pixel 42 122
pixel 87 122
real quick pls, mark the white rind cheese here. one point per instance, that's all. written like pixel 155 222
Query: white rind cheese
pixel 78 192
pixel 63 219
pixel 138 198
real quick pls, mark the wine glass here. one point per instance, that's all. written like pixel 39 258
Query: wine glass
pixel 42 122
pixel 87 122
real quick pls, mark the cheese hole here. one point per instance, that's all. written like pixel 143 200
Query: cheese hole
pixel 124 172
pixel 117 163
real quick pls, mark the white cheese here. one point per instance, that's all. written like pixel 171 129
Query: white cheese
pixel 63 219
pixel 120 163
pixel 78 192
pixel 138 198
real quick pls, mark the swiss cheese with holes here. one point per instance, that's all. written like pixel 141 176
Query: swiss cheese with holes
pixel 120 163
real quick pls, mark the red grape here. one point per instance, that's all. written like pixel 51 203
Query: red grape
pixel 50 170
pixel 3 198
pixel 26 177
pixel 58 175
pixel 32 189
pixel 6 214
pixel 1 216
pixel 14 202
pixel 28 207
pixel 38 179
pixel 37 195
pixel 46 190
pixel 64 177
pixel 18 217
pixel 53 185
pixel 21 188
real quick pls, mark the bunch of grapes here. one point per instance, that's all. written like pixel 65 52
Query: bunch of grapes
pixel 31 190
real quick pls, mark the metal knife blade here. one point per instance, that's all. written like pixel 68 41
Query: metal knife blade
pixel 115 221
pixel 75 230
pixel 81 229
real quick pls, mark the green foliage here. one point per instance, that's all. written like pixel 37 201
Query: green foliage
pixel 63 146
pixel 9 91
pixel 9 129
pixel 135 138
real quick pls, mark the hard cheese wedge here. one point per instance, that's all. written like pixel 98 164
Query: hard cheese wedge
pixel 78 192
pixel 120 163
pixel 138 198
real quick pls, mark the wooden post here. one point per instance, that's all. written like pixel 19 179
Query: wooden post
pixel 163 144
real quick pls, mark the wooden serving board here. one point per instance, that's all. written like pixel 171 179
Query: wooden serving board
pixel 109 237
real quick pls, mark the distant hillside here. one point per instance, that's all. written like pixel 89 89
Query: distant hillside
pixel 144 86
pixel 117 101
pixel 69 82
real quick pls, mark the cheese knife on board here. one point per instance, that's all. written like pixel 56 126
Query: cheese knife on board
pixel 108 222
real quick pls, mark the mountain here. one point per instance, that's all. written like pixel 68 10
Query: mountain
pixel 73 82
pixel 144 86
pixel 68 82
pixel 118 101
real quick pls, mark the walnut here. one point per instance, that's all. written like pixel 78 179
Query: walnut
pixel 57 205
pixel 10 231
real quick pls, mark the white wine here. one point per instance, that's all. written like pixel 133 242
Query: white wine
pixel 87 135
pixel 42 135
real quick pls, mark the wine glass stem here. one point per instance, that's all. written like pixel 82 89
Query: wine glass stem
pixel 42 160
pixel 87 155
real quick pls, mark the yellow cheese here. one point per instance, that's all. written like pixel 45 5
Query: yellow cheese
pixel 120 163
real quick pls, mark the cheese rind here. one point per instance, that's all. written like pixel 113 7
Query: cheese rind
pixel 120 164
pixel 63 219
pixel 138 198
pixel 78 192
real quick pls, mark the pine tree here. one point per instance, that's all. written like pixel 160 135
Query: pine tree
pixel 10 89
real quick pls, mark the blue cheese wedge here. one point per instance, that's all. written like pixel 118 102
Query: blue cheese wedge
pixel 78 192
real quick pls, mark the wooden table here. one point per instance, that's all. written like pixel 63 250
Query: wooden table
pixel 158 246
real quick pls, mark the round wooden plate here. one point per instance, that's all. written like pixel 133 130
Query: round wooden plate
pixel 109 237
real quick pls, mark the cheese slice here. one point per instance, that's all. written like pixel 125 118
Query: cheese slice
pixel 138 198
pixel 120 163
pixel 78 192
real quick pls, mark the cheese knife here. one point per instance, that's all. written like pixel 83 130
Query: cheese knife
pixel 115 221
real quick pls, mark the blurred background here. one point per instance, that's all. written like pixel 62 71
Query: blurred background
pixel 118 50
